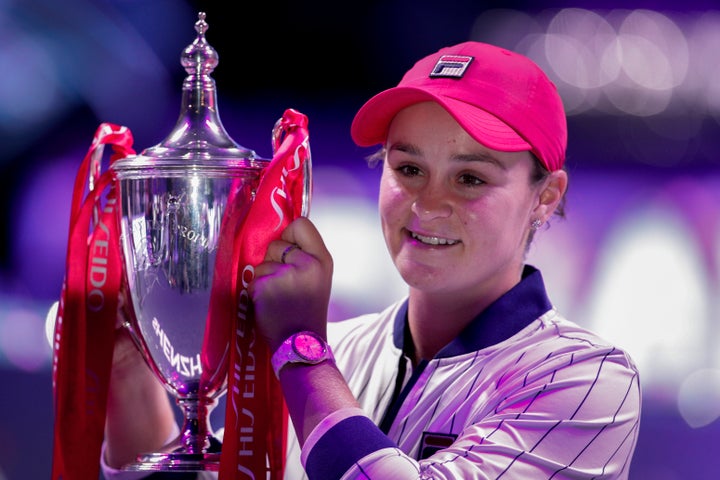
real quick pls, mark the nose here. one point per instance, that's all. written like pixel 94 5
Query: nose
pixel 432 201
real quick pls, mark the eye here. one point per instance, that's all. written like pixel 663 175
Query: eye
pixel 408 170
pixel 470 179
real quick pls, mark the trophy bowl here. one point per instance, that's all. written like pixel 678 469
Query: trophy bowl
pixel 172 224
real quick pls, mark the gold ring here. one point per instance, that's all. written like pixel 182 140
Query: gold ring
pixel 289 249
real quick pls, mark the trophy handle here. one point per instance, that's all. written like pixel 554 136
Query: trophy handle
pixel 278 135
pixel 307 185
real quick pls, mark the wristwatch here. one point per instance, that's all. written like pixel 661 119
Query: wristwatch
pixel 302 347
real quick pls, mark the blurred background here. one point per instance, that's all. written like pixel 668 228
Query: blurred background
pixel 637 260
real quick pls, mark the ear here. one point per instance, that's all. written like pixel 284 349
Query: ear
pixel 552 191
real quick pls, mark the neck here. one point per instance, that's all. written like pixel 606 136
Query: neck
pixel 436 318
pixel 435 321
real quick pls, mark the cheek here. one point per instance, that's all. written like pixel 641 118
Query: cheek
pixel 476 224
pixel 394 207
pixel 391 197
pixel 487 222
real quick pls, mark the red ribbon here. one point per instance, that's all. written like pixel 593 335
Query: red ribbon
pixel 256 419
pixel 85 323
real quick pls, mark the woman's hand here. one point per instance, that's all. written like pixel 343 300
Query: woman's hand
pixel 139 416
pixel 291 289
pixel 292 294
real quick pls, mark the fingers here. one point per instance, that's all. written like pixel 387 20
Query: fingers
pixel 287 250
pixel 303 233
pixel 291 288
pixel 299 239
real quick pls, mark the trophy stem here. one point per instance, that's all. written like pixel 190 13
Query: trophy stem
pixel 196 434
pixel 195 449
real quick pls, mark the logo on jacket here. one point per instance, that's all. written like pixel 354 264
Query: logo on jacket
pixel 431 442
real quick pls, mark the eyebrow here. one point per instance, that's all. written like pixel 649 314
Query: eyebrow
pixel 480 157
pixel 404 147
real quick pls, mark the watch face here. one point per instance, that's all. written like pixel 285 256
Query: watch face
pixel 308 346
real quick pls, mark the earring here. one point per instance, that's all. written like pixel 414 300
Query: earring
pixel 537 223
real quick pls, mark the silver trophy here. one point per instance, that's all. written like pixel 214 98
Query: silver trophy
pixel 178 200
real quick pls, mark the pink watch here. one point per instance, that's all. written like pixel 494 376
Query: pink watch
pixel 302 347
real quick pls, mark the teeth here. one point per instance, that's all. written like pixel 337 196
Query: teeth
pixel 433 240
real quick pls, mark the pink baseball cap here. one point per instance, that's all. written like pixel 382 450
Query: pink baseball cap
pixel 501 98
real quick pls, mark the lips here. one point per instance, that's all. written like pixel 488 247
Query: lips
pixel 432 240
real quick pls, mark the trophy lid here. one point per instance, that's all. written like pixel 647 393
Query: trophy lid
pixel 199 139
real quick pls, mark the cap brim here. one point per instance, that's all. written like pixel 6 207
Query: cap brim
pixel 371 123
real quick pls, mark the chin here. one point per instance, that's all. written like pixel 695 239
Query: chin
pixel 419 276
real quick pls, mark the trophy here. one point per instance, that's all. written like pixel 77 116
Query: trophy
pixel 179 199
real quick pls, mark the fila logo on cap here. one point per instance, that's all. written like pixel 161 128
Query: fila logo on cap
pixel 452 66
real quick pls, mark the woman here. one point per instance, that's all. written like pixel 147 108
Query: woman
pixel 474 374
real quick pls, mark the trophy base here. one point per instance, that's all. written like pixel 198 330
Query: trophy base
pixel 178 460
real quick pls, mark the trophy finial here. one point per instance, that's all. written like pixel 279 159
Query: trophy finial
pixel 199 58
pixel 199 133
pixel 201 25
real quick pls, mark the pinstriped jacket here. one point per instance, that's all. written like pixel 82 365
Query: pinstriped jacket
pixel 521 393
